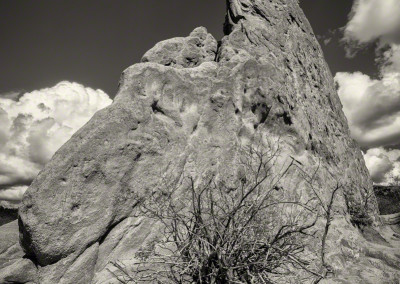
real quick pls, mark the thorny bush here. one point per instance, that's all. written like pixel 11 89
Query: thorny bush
pixel 252 232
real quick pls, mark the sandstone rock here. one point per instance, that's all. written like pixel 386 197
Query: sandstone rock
pixel 191 51
pixel 13 267
pixel 22 271
pixel 10 250
pixel 188 108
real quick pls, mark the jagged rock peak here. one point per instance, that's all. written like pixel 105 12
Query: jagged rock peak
pixel 198 47
pixel 271 12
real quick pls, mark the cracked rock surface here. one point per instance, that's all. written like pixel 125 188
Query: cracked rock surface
pixel 188 107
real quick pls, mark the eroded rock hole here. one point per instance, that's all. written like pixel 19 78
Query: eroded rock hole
pixel 261 110
pixel 75 206
pixel 137 157
pixel 156 108
pixel 194 128
pixel 287 119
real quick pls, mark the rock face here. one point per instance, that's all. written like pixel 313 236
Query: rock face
pixel 188 107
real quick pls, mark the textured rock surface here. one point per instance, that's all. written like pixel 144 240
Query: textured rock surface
pixel 191 51
pixel 9 250
pixel 13 267
pixel 187 108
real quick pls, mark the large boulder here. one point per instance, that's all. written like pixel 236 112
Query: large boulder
pixel 187 108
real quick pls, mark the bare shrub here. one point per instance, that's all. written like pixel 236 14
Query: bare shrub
pixel 252 232
pixel 360 210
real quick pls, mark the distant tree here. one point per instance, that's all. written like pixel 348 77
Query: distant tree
pixel 360 210
pixel 394 179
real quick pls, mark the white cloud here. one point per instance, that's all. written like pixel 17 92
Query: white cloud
pixel 391 59
pixel 374 19
pixel 383 164
pixel 13 194
pixel 12 95
pixel 34 126
pixel 372 107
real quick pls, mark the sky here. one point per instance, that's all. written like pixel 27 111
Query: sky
pixel 43 42
pixel 60 62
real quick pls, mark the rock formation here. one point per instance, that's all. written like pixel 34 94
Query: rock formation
pixel 188 107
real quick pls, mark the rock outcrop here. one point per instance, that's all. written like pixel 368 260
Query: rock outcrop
pixel 188 107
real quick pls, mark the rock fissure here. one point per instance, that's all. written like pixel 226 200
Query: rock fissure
pixel 156 108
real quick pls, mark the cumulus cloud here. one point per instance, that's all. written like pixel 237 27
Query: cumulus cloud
pixel 374 19
pixel 390 59
pixel 35 124
pixel 12 194
pixel 13 95
pixel 372 107
pixel 383 164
